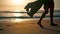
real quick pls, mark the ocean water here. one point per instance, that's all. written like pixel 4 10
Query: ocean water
pixel 25 15
pixel 22 15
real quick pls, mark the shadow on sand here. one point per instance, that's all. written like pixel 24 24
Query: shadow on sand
pixel 52 29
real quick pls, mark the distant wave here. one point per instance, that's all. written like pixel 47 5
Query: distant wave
pixel 56 14
pixel 40 11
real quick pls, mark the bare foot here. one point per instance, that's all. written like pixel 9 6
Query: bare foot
pixel 54 24
pixel 40 25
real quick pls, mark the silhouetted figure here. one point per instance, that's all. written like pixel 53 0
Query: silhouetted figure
pixel 34 7
pixel 48 4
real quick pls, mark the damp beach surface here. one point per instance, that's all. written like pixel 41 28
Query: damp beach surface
pixel 29 27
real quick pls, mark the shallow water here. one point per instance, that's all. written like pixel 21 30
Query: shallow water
pixel 25 16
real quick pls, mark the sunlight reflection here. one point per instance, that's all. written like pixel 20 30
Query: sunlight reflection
pixel 17 14
pixel 19 20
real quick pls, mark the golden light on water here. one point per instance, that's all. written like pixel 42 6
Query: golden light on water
pixel 17 20
pixel 17 14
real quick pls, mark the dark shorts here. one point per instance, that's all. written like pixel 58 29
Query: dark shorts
pixel 49 5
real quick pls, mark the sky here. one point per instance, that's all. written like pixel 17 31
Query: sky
pixel 12 5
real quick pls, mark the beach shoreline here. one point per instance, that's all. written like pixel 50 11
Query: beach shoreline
pixel 29 27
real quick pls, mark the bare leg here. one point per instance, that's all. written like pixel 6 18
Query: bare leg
pixel 43 15
pixel 51 13
pixel 51 18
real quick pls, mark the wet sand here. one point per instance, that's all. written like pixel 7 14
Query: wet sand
pixel 29 27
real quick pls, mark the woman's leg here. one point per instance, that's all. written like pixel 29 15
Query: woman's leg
pixel 51 14
pixel 43 15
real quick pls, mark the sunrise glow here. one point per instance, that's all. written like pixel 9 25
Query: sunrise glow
pixel 17 10
pixel 17 2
